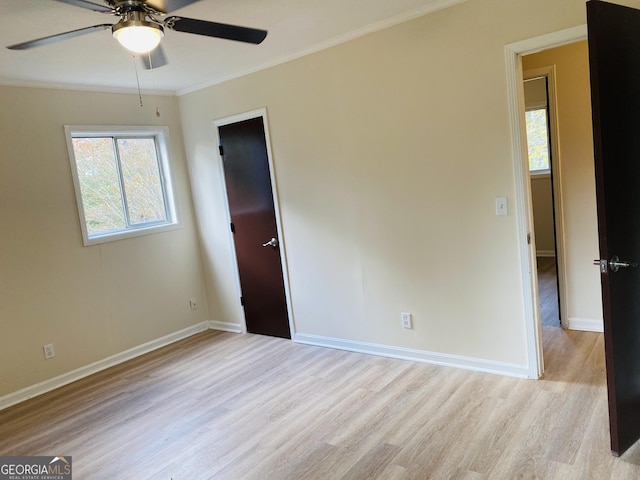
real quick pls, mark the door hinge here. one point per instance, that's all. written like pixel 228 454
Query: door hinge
pixel 233 227
pixel 528 239
pixel 221 150
pixel 242 301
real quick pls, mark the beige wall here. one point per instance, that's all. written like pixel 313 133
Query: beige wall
pixel 542 202
pixel 577 177
pixel 90 302
pixel 388 163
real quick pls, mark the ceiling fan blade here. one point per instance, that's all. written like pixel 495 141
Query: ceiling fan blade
pixel 58 37
pixel 167 6
pixel 155 59
pixel 90 5
pixel 213 29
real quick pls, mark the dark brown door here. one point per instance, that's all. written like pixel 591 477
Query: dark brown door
pixel 614 57
pixel 246 171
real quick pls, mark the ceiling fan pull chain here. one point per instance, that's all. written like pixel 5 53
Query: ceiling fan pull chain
pixel 135 68
pixel 153 81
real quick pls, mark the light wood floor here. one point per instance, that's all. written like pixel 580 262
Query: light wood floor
pixel 243 407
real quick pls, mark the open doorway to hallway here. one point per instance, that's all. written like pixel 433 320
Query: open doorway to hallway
pixel 541 128
pixel 569 187
pixel 576 218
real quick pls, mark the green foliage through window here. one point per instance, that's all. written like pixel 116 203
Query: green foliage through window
pixel 538 140
pixel 121 180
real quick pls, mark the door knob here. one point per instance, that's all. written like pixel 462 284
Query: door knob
pixel 615 264
pixel 271 243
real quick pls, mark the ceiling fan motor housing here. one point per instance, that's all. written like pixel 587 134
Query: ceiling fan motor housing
pixel 136 18
pixel 123 6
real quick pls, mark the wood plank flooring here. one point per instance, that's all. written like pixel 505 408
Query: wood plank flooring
pixel 244 407
pixel 548 291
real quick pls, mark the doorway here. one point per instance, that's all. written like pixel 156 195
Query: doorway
pixel 544 160
pixel 577 240
pixel 255 225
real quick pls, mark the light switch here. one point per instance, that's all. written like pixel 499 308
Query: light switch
pixel 501 206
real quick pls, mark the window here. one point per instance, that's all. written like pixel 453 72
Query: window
pixel 538 140
pixel 122 181
pixel 536 100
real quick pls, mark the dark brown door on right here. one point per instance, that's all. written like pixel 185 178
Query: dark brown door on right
pixel 614 58
pixel 248 181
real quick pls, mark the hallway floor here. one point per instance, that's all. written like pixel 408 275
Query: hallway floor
pixel 548 292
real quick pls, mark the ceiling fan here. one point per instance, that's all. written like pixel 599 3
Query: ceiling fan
pixel 141 27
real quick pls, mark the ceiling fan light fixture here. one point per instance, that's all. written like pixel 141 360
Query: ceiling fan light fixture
pixel 138 36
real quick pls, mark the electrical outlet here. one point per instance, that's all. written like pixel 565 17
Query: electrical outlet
pixel 406 320
pixel 193 303
pixel 48 351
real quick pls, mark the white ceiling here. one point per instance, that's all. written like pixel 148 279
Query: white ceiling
pixel 97 61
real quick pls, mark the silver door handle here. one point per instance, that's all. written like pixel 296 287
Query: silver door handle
pixel 615 264
pixel 271 243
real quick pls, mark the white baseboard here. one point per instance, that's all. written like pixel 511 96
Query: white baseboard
pixel 82 372
pixel 468 363
pixel 225 326
pixel 545 253
pixel 585 324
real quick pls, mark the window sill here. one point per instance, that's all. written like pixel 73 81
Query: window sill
pixel 540 174
pixel 138 232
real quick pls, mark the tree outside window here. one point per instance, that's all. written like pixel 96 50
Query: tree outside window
pixel 538 140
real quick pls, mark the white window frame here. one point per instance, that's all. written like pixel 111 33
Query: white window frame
pixel 161 136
